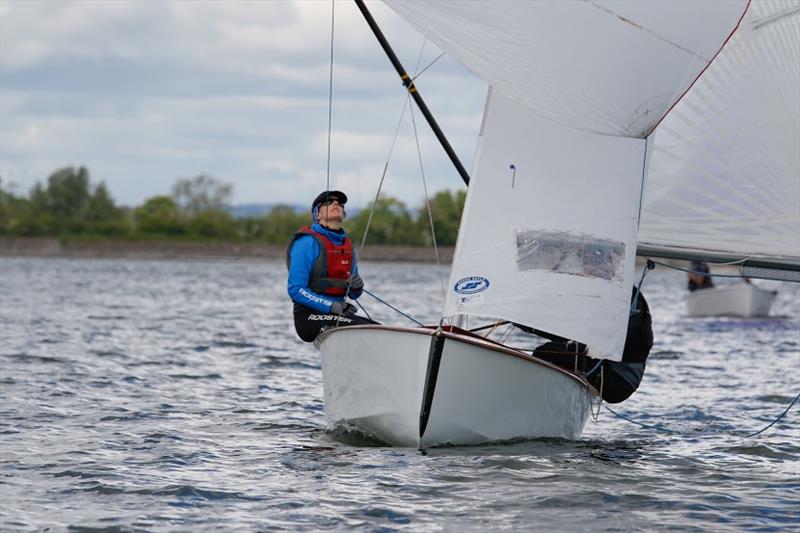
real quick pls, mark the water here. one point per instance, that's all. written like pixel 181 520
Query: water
pixel 164 396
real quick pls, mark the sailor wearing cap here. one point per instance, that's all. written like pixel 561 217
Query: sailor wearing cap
pixel 323 269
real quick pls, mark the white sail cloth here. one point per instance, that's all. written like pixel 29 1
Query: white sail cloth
pixel 611 67
pixel 548 234
pixel 551 242
pixel 725 171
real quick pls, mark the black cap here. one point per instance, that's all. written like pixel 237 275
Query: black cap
pixel 324 196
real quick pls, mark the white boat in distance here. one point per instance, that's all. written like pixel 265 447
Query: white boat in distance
pixel 550 228
pixel 743 300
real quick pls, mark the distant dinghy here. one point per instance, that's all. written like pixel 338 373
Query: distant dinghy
pixel 743 300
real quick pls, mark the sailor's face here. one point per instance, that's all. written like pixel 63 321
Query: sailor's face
pixel 331 211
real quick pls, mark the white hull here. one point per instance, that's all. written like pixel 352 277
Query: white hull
pixel 737 300
pixel 375 378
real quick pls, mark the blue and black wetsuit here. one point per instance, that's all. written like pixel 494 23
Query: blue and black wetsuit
pixel 309 286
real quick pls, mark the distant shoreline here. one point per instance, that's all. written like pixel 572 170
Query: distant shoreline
pixel 156 250
pixel 194 250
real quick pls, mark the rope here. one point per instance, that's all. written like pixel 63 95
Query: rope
pixel 493 326
pixel 661 428
pixel 698 272
pixel 390 306
pixel 330 126
pixel 774 421
pixel 427 199
pixel 388 159
pixel 383 177
pixel 363 309
pixel 330 103
pixel 596 414
pixel 427 67
pixel 406 103
pixel 648 267
pixel 632 421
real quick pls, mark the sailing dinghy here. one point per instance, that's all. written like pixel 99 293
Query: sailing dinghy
pixel 740 300
pixel 548 236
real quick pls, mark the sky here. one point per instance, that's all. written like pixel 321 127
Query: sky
pixel 144 93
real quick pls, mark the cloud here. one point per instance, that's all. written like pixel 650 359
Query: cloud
pixel 145 93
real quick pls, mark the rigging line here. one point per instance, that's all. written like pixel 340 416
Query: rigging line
pixel 774 421
pixel 492 325
pixel 427 200
pixel 648 267
pixel 363 309
pixel 660 428
pixel 390 306
pixel 422 167
pixel 383 177
pixel 695 271
pixel 737 262
pixel 641 185
pixel 648 426
pixel 406 104
pixel 330 102
pixel 426 68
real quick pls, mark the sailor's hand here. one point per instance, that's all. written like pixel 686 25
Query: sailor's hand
pixel 356 283
pixel 343 308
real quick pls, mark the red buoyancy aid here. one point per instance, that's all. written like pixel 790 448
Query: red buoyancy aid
pixel 331 270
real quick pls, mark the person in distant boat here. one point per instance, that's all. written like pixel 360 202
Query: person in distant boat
pixel 615 380
pixel 323 269
pixel 699 277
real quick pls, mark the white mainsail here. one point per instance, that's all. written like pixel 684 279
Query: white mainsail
pixel 725 171
pixel 550 243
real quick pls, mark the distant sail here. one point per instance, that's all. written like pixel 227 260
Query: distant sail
pixel 725 171
pixel 613 67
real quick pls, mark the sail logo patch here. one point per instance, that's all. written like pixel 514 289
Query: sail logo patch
pixel 471 285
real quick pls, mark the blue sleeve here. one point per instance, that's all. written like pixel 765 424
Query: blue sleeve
pixel 302 256
pixel 353 293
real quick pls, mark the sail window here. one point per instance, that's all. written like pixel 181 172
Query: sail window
pixel 570 253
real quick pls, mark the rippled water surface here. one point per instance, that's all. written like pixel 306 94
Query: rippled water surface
pixel 174 395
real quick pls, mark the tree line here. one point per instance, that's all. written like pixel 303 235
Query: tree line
pixel 69 205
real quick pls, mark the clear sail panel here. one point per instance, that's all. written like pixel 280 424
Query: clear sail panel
pixel 568 253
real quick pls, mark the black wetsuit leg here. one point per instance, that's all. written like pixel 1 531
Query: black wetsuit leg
pixel 616 379
pixel 308 323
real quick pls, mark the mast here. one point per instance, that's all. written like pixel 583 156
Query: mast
pixel 409 84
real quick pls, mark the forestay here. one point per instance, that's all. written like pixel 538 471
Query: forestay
pixel 613 67
pixel 550 242
pixel 725 173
